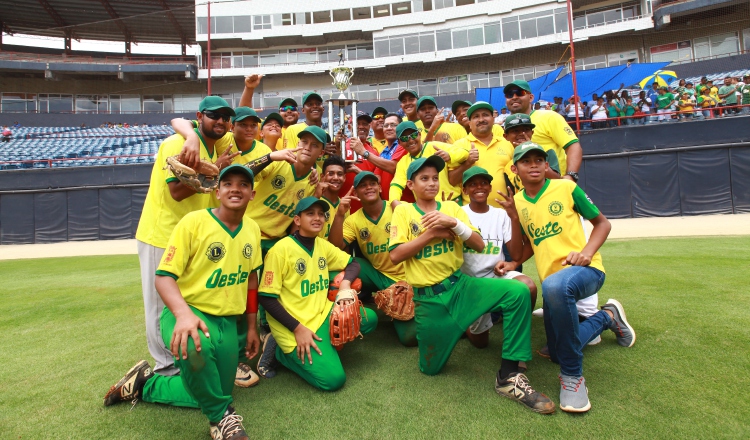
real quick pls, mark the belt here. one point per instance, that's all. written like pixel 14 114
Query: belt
pixel 438 288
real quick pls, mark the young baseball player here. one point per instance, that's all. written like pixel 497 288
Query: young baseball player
pixel 432 123
pixel 333 176
pixel 370 228
pixel 208 282
pixel 570 268
pixel 497 229
pixel 428 237
pixel 294 291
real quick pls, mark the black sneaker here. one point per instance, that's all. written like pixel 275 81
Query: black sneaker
pixel 229 427
pixel 267 361
pixel 517 387
pixel 130 386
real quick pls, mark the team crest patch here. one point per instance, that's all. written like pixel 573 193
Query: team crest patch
pixel 364 234
pixel 414 228
pixel 300 267
pixel 322 263
pixel 388 227
pixel 268 278
pixel 278 182
pixel 328 215
pixel 300 194
pixel 569 131
pixel 555 208
pixel 247 251
pixel 170 255
pixel 216 252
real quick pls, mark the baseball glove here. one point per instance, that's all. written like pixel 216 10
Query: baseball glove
pixel 203 180
pixel 345 319
pixel 333 288
pixel 397 301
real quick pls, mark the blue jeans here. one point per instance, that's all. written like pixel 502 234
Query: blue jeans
pixel 565 336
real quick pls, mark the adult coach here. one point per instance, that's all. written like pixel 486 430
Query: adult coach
pixel 551 132
pixel 378 140
pixel 312 108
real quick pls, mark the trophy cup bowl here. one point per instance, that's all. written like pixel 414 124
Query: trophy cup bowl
pixel 342 78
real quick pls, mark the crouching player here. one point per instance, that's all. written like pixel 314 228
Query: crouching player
pixel 570 268
pixel 495 227
pixel 206 279
pixel 370 228
pixel 294 292
pixel 428 237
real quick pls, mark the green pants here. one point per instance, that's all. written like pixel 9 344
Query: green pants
pixel 265 246
pixel 326 372
pixel 206 378
pixel 442 318
pixel 373 281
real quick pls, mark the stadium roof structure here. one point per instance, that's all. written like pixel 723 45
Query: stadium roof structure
pixel 131 21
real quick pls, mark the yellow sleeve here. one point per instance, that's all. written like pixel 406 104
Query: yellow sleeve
pixel 457 132
pixel 273 273
pixel 176 255
pixel 398 183
pixel 350 230
pixel 272 168
pixel 561 132
pixel 399 227
pixel 458 154
pixel 336 258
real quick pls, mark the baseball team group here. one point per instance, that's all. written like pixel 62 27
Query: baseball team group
pixel 257 236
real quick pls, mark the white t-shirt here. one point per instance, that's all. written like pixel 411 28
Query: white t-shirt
pixel 494 227
pixel 601 114
pixel 572 110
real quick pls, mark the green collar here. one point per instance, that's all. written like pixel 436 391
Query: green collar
pixel 223 226
pixel 309 252
pixel 375 221
pixel 538 195
pixel 420 152
pixel 335 205
pixel 252 147
pixel 422 212
pixel 294 173
pixel 205 145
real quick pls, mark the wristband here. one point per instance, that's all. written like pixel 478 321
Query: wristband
pixel 252 301
pixel 464 232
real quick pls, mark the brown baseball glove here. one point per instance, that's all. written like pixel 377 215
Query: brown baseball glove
pixel 345 318
pixel 203 180
pixel 397 301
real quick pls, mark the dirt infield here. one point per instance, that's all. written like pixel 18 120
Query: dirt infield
pixel 702 225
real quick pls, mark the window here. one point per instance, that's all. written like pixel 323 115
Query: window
pixel 544 69
pixel 443 39
pixel 494 78
pixel 361 13
pixel 329 54
pixel 724 44
pixel 746 39
pixel 302 56
pixel 440 4
pixel 426 42
pixel 186 103
pixel 262 22
pixel 680 51
pixel 18 103
pixel 342 15
pixel 426 5
pixel 286 20
pixel 411 44
pixel 224 25
pixel 401 8
pixel 321 17
pixel 464 2
pixel 427 87
pixel 616 59
pixel 561 20
pixel 537 25
pixel 382 48
pixel 592 63
pixel 360 52
pixel 302 18
pixel 130 103
pixel 476 36
pixel 271 57
pixel 381 11
pixel 157 104
pixel 510 29
pixel 242 23
pixel 613 15
pixel 478 80
pixel 579 22
pixel 545 25
pixel 203 25
pixel 448 85
pixel 397 46
pixel 249 59
pixel 492 33
pixel 460 39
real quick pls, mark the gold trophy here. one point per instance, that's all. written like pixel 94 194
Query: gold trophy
pixel 342 77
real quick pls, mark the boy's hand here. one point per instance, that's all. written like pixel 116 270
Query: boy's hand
pixel 285 155
pixel 320 189
pixel 226 158
pixel 444 197
pixel 345 203
pixel 439 119
pixel 437 218
pixel 503 267
pixel 441 232
pixel 305 342
pixel 314 177
pixel 187 326
pixel 253 343
pixel 509 204
pixel 577 259
pixel 190 155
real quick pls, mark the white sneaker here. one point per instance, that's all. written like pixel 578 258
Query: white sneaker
pixel 595 341
pixel 539 313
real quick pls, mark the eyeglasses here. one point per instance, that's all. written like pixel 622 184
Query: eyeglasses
pixel 216 116
pixel 409 137
pixel 288 108
pixel 390 125
pixel 378 117
pixel 515 92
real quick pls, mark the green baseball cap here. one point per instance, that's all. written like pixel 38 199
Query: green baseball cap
pixel 379 111
pixel 477 105
pixel 407 92
pixel 273 116
pixel 241 113
pixel 405 125
pixel 361 176
pixel 309 95
pixel 237 168
pixel 521 84
pixel 459 103
pixel 518 120
pixel 288 101
pixel 434 160
pixel 426 99
pixel 213 103
pixel 525 148
pixel 308 203
pixel 475 171
pixel 318 132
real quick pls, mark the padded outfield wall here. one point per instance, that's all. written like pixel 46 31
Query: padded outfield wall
pixel 667 169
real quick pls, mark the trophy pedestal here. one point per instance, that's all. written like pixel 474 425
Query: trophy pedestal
pixel 342 102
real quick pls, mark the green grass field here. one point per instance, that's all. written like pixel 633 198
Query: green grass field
pixel 75 325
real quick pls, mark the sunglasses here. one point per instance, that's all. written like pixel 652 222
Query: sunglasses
pixel 409 137
pixel 378 117
pixel 216 116
pixel 515 92
pixel 288 108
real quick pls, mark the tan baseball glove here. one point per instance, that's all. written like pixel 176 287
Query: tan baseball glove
pixel 203 180
pixel 397 301
pixel 345 318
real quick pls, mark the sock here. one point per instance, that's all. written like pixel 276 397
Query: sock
pixel 507 368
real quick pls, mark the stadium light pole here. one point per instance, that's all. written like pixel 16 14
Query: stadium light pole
pixel 209 49
pixel 572 64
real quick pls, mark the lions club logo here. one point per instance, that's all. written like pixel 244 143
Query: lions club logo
pixel 328 215
pixel 364 234
pixel 300 267
pixel 247 251
pixel 321 263
pixel 525 214
pixel 388 227
pixel 414 228
pixel 555 208
pixel 216 252
pixel 278 182
pixel 300 194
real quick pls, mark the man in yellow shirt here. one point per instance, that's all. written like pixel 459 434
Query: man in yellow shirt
pixel 432 123
pixel 378 140
pixel 312 108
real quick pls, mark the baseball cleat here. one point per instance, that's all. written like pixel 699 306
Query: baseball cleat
pixel 229 427
pixel 620 326
pixel 130 386
pixel 245 377
pixel 517 387
pixel 574 395
pixel 267 361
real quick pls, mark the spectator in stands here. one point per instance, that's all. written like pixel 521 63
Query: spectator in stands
pixel 745 93
pixel 653 96
pixel 599 114
pixel 702 85
pixel 686 106
pixel 573 108
pixel 613 109
pixel 7 134
pixel 681 86
pixel 728 97
pixel 664 103
pixel 643 106
pixel 538 106
pixel 622 101
pixel 706 102
pixel 690 89
pixel 16 124
pixel 714 90
pixel 500 120
pixel 561 107
pixel 628 111
pixel 586 125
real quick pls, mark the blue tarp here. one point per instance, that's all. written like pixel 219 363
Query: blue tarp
pixel 495 96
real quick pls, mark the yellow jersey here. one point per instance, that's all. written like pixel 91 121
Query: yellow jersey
pixel 552 132
pixel 332 208
pixel 441 257
pixel 299 279
pixel 291 139
pixel 448 132
pixel 256 150
pixel 212 264
pixel 378 144
pixel 493 158
pixel 553 226
pixel 160 211
pixel 457 155
pixel 372 237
